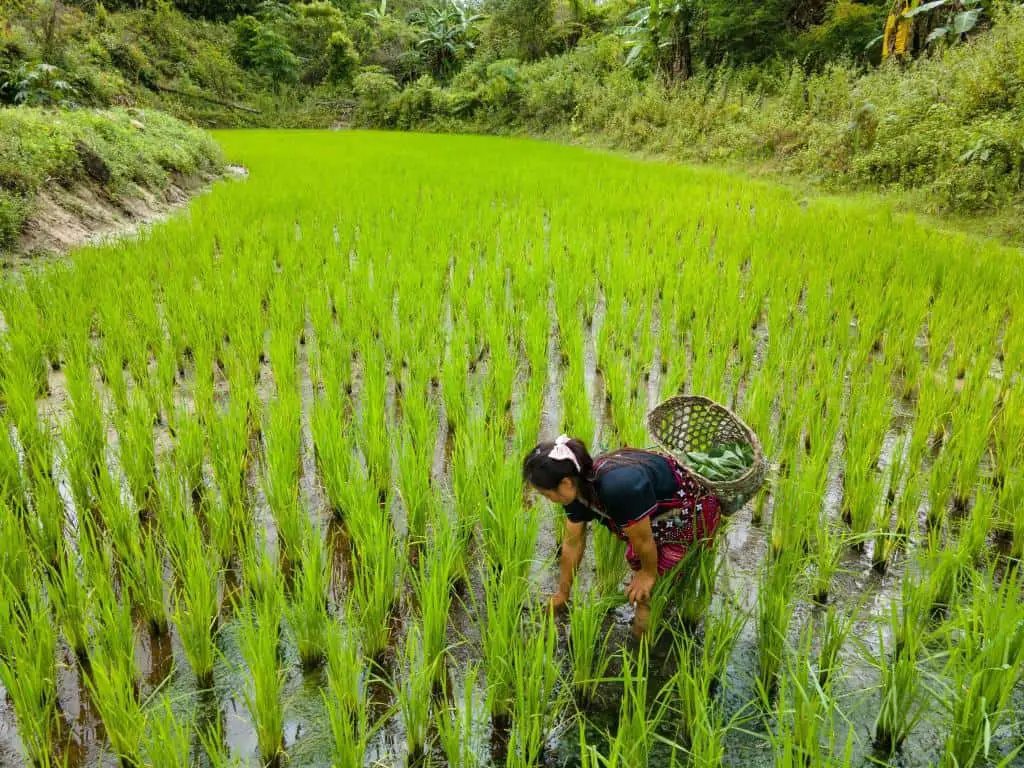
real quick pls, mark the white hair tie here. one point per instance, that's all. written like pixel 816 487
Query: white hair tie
pixel 563 451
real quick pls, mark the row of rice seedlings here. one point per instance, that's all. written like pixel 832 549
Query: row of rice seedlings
pixel 259 633
pixel 28 671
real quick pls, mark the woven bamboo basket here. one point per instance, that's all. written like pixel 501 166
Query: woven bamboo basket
pixel 694 423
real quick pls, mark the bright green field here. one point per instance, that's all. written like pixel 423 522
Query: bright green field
pixel 261 497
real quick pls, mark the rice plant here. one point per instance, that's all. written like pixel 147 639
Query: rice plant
pixel 345 699
pixel 539 699
pixel 259 629
pixel 308 616
pixel 414 693
pixel 985 659
pixel 904 690
pixel 588 644
pixel 457 727
pixel 774 611
pixel 609 556
pixel 168 736
pixel 28 671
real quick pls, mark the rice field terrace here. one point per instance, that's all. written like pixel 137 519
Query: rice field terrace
pixel 260 472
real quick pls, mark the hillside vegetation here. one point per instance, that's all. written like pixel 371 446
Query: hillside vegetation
pixel 790 86
pixel 118 152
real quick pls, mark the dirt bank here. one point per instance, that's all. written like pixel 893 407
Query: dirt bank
pixel 67 218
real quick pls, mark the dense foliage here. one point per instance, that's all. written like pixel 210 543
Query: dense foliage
pixel 794 85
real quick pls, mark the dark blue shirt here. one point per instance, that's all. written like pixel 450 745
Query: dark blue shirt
pixel 629 485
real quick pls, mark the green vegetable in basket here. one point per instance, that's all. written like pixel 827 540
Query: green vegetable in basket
pixel 721 462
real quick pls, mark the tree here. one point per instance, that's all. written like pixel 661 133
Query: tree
pixel 342 59
pixel 448 34
pixel 526 23
pixel 272 57
pixel 662 33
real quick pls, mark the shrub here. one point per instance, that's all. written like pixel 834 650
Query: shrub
pixel 376 91
pixel 342 58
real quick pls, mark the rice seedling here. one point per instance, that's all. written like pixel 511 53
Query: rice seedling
pixel 377 566
pixel 432 584
pixel 259 630
pixel 774 612
pixel 904 689
pixel 985 659
pixel 28 672
pixel 168 734
pixel 68 593
pixel 609 559
pixel 229 451
pixel 804 715
pixel 692 584
pixel 414 694
pixel 539 700
pixel 113 679
pixel 505 596
pixel 588 644
pixel 638 720
pixel 414 465
pixel 345 700
pixel 308 616
pixel 45 528
pixel 138 450
pixel 836 627
pixel 457 728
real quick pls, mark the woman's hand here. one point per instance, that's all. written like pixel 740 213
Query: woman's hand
pixel 639 589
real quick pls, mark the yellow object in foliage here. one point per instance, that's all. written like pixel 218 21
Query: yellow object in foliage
pixel 896 39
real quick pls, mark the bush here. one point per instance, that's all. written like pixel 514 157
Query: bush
pixel 342 59
pixel 376 91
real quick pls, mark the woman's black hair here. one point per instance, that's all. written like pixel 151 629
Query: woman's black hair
pixel 542 471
